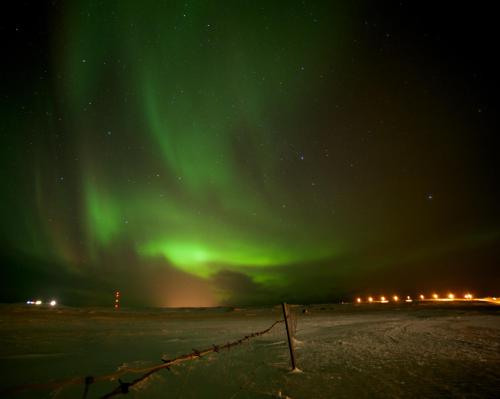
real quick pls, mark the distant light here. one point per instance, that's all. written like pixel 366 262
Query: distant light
pixel 117 299
pixel 451 296
pixel 382 298
pixel 408 299
pixel 358 300
pixel 435 296
pixel 396 298
pixel 53 302
pixel 38 302
pixel 29 302
pixel 370 299
pixel 422 297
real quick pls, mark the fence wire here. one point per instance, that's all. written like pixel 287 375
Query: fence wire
pixel 124 387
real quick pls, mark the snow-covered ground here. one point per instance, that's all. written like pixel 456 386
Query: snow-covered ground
pixel 344 351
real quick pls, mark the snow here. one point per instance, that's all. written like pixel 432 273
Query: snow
pixel 342 351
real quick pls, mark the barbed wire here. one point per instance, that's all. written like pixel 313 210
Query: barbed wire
pixel 146 372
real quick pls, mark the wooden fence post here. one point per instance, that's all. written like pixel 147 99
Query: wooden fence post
pixel 290 343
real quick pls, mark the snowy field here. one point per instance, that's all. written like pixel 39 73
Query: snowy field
pixel 344 351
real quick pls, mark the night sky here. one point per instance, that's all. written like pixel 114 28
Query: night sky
pixel 199 153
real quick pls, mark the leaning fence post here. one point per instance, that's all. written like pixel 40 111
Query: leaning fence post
pixel 290 343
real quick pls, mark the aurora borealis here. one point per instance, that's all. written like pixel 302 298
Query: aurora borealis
pixel 201 153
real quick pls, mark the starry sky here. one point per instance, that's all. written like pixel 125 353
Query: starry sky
pixel 201 153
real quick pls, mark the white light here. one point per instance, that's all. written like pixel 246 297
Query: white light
pixel 370 299
pixel 451 296
pixel 358 300
pixel 396 298
pixel 29 302
pixel 38 302
pixel 53 303
pixel 422 297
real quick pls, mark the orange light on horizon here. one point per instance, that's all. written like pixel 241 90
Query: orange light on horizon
pixel 444 296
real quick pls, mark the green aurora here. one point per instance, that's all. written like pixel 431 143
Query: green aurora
pixel 201 94
pixel 236 140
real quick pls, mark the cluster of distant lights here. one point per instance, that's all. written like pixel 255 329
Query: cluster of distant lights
pixel 39 302
pixel 395 298
pixel 117 299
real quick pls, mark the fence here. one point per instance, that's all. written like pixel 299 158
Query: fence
pixel 289 320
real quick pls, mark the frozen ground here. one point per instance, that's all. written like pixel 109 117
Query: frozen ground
pixel 344 351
